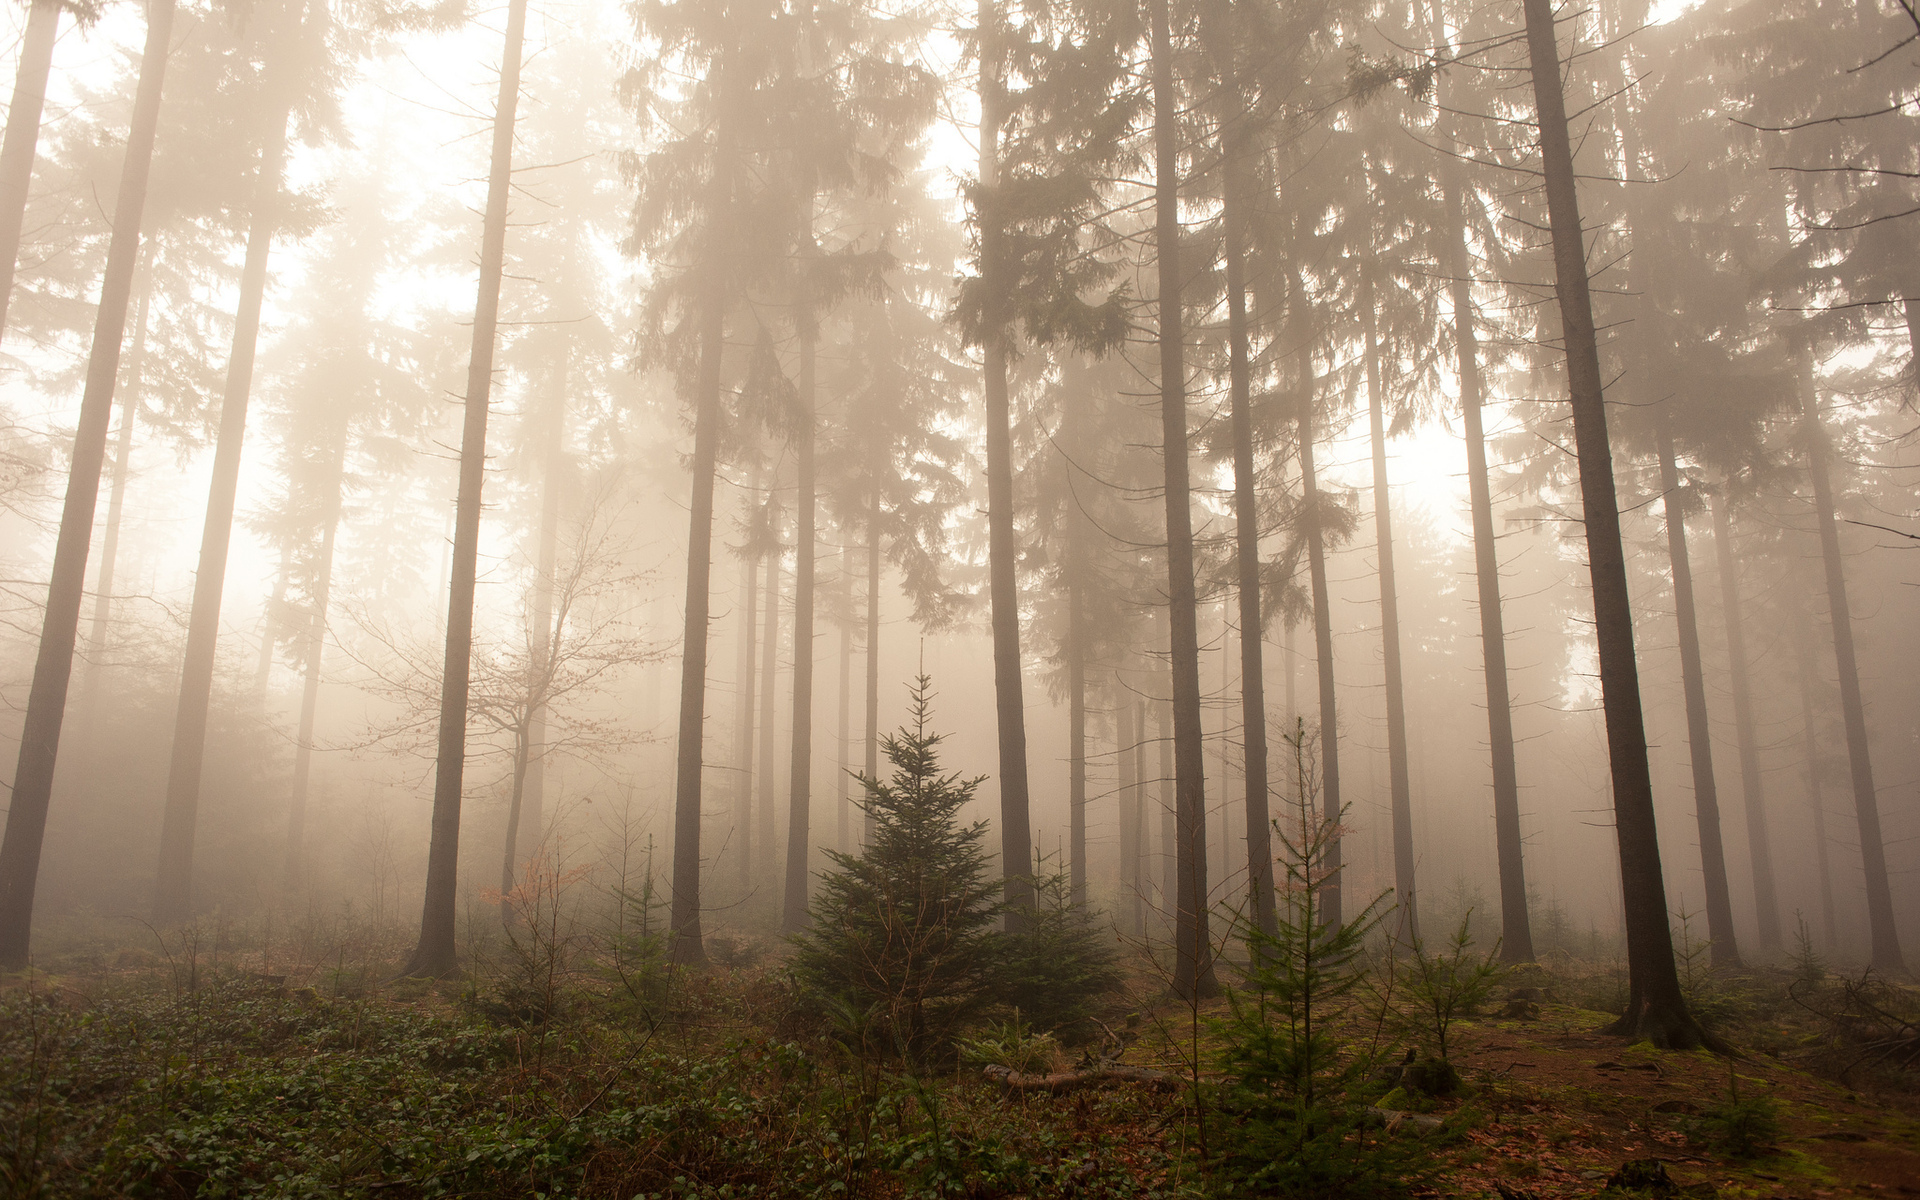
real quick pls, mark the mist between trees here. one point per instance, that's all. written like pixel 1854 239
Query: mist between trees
pixel 1515 406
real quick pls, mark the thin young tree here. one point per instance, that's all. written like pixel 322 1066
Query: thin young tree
pixel 60 624
pixel 22 138
pixel 436 953
pixel 1766 901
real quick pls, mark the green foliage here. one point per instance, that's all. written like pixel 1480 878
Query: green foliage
pixel 1059 963
pixel 1743 1126
pixel 1015 1045
pixel 903 930
pixel 1809 969
pixel 1448 984
pixel 1289 1117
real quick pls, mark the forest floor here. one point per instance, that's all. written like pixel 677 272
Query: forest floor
pixel 134 1082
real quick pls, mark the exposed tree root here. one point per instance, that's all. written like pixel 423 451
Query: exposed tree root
pixel 1067 1081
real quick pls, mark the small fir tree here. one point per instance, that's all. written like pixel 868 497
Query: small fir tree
pixel 903 931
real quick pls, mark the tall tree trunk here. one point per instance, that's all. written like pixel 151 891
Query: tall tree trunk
pixel 116 512
pixel 1246 529
pixel 1076 734
pixel 1127 791
pixel 1330 802
pixel 1810 748
pixel 872 766
pixel 769 733
pixel 1140 858
pixel 1885 955
pixel 1655 1007
pixel 1016 822
pixel 1169 816
pixel 743 719
pixel 23 136
pixel 295 873
pixel 1706 793
pixel 1407 916
pixel 1516 933
pixel 1766 900
pixel 436 954
pixel 60 622
pixel 173 890
pixel 842 841
pixel 1193 950
pixel 533 817
pixel 794 916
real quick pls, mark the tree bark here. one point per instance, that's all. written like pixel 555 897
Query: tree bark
pixel 872 766
pixel 1193 951
pixel 1076 731
pixel 1885 955
pixel 846 704
pixel 22 138
pixel 173 889
pixel 794 916
pixel 60 623
pixel 1016 825
pixel 1766 900
pixel 743 718
pixel 1330 802
pixel 1816 801
pixel 1140 858
pixel 436 954
pixel 1127 792
pixel 769 733
pixel 1706 793
pixel 1246 526
pixel 1407 918
pixel 295 872
pixel 1655 1007
pixel 1516 933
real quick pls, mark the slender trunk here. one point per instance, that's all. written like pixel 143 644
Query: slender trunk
pixel 1330 802
pixel 1816 801
pixel 1885 956
pixel 1193 950
pixel 60 622
pixel 1137 868
pixel 800 779
pixel 1766 901
pixel 1246 523
pixel 295 872
pixel 269 642
pixel 769 684
pixel 1169 817
pixel 846 702
pixel 1076 737
pixel 743 719
pixel 1516 933
pixel 116 512
pixel 23 136
pixel 173 889
pixel 1407 919
pixel 1016 825
pixel 1655 1007
pixel 1706 794
pixel 544 655
pixel 436 954
pixel 872 767
pixel 1127 790
pixel 516 797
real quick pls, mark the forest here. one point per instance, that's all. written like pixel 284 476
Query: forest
pixel 1036 598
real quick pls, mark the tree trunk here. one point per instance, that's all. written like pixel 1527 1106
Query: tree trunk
pixel 1810 747
pixel 1127 791
pixel 533 815
pixel 23 136
pixel 1016 823
pixel 60 622
pixel 1076 735
pixel 1138 867
pixel 769 733
pixel 1193 951
pixel 873 649
pixel 1706 793
pixel 295 873
pixel 1655 1007
pixel 1886 957
pixel 1516 933
pixel 1407 917
pixel 841 841
pixel 1330 802
pixel 743 719
pixel 173 889
pixel 1246 524
pixel 1766 901
pixel 794 917
pixel 436 954
pixel 1169 816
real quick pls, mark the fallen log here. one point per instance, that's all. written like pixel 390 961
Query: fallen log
pixel 1067 1081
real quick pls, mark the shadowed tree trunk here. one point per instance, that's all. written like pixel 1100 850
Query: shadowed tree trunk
pixel 23 136
pixel 1246 527
pixel 1140 858
pixel 60 622
pixel 1706 793
pixel 436 954
pixel 1407 916
pixel 1810 748
pixel 1193 950
pixel 769 733
pixel 1886 956
pixel 1169 816
pixel 1330 893
pixel 310 688
pixel 173 900
pixel 743 717
pixel 1076 738
pixel 872 766
pixel 800 778
pixel 1766 900
pixel 1655 1007
pixel 1016 827
pixel 846 702
pixel 1127 793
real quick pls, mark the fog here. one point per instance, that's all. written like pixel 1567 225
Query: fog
pixel 745 244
